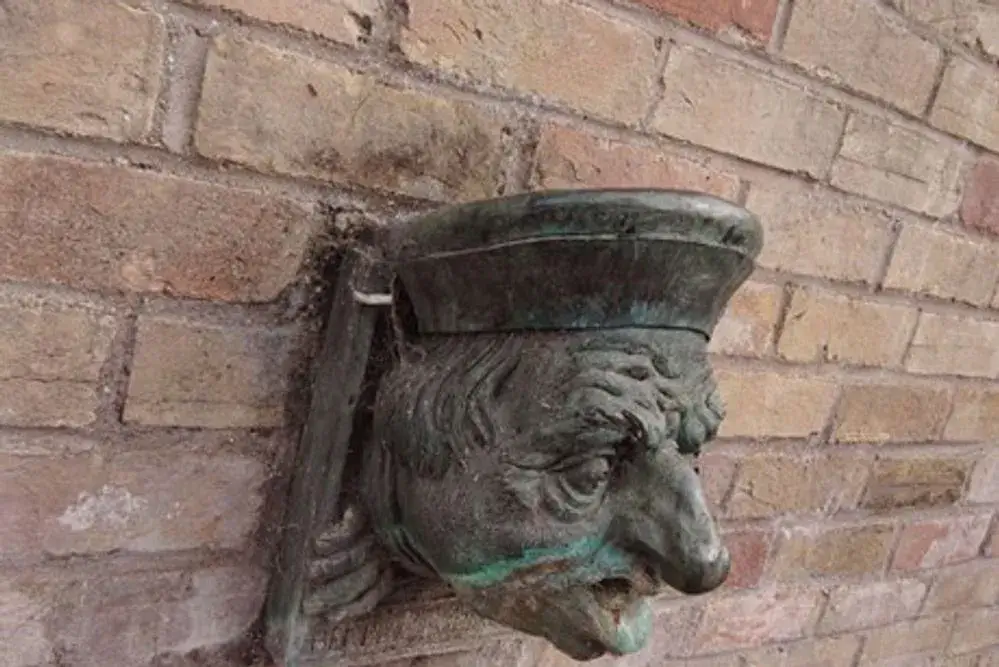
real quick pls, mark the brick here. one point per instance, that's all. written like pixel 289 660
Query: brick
pixel 980 207
pixel 891 413
pixel 832 551
pixel 318 119
pixel 773 484
pixel 569 54
pixel 199 374
pixel 899 165
pixel 934 262
pixel 735 109
pixel 832 652
pixel 98 73
pixel 226 601
pixel 871 605
pixel 857 44
pixel 716 472
pixel 912 637
pixel 973 585
pixel 939 542
pixel 347 21
pixel 822 327
pixel 510 652
pixel 160 501
pixel 22 628
pixel 975 416
pixel 970 660
pixel 916 481
pixel 80 224
pixel 570 158
pixel 984 486
pixel 968 102
pixel 762 403
pixel 975 630
pixel 51 354
pixel 969 22
pixel 136 617
pixel 747 326
pixel 991 547
pixel 948 345
pixel 750 619
pixel 755 17
pixel 819 233
pixel 748 550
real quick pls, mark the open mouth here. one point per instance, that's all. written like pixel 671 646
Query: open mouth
pixel 585 621
pixel 619 617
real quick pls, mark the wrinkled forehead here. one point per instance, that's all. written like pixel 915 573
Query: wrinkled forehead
pixel 598 389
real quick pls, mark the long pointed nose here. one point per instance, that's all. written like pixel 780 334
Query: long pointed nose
pixel 664 519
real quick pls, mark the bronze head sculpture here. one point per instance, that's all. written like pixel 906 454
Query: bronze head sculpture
pixel 535 444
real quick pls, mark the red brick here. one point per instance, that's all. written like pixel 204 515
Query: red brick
pixel 762 404
pixel 822 326
pixel 160 501
pixel 975 630
pixel 318 119
pixel 871 605
pixel 860 45
pixel 891 412
pixel 717 472
pixel 570 158
pixel 201 374
pixel 975 584
pixel 931 261
pixel 991 546
pixel 771 484
pixel 910 638
pixel 563 52
pixel 832 652
pixel 750 619
pixel 510 652
pixel 816 232
pixel 23 634
pixel 748 549
pixel 132 618
pixel 821 550
pixel 51 353
pixel 975 416
pixel 968 102
pixel 340 20
pixel 918 480
pixel 938 542
pixel 948 345
pixel 754 16
pixel 747 326
pixel 747 113
pixel 984 486
pixel 80 224
pixel 81 67
pixel 980 208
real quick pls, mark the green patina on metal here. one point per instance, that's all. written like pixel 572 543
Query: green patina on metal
pixel 545 382
pixel 591 559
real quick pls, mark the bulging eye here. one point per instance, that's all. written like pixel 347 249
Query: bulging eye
pixel 589 477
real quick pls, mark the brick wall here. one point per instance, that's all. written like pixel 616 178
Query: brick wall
pixel 170 171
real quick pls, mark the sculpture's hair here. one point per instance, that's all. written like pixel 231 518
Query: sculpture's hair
pixel 430 411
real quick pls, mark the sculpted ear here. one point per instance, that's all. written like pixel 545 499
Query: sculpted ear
pixel 699 423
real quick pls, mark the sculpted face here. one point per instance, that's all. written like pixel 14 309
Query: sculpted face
pixel 550 479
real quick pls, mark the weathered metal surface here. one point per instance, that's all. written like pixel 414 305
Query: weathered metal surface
pixel 533 443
